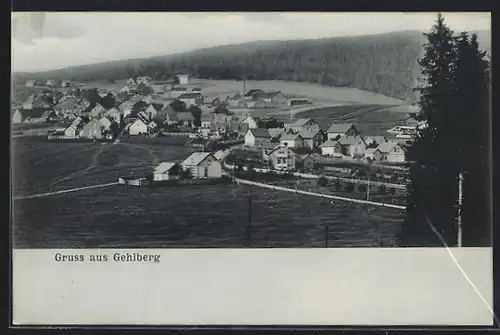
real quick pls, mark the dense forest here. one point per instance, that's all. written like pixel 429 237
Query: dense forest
pixel 385 63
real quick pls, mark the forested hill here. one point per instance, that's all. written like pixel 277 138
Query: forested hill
pixel 385 63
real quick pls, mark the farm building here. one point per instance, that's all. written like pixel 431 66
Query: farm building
pixel 93 129
pixel 191 99
pixel 298 101
pixel 275 98
pixel 183 79
pixel 292 140
pixel 280 158
pixel 341 129
pixel 166 171
pixel 255 137
pixel 256 104
pixel 202 165
pixel 249 95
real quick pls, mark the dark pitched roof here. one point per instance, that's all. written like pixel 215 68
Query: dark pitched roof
pixel 265 95
pixel 260 132
pixel 253 91
pixel 339 127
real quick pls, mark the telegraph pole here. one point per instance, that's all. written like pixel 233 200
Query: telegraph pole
pixel 459 233
pixel 249 227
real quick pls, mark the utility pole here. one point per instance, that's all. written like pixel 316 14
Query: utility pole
pixel 249 227
pixel 459 233
pixel 244 85
pixel 326 235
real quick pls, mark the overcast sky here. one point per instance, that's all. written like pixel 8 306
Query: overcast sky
pixel 67 39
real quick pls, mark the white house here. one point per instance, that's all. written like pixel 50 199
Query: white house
pixel 17 117
pixel 331 148
pixel 183 79
pixel 280 157
pixel 390 151
pixel 353 146
pixel 166 171
pixel 341 129
pixel 151 112
pixel 140 127
pixel 202 165
pixel 292 140
pixel 255 137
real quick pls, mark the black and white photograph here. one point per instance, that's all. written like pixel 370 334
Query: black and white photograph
pixel 251 130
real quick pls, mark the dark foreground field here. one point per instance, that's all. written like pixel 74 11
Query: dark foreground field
pixel 182 216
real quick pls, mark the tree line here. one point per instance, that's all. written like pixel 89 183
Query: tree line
pixel 384 63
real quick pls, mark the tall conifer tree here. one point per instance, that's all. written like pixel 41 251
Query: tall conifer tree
pixel 454 105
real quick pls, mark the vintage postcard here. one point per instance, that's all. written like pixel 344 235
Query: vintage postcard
pixel 242 169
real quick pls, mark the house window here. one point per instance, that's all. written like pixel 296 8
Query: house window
pixel 206 172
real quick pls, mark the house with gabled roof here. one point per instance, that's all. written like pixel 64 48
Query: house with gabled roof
pixel 142 127
pixel 250 121
pixel 202 165
pixel 353 146
pixel 249 95
pixel 390 151
pixel 92 130
pixel 374 141
pixel 255 137
pixel 276 98
pixel 281 157
pixel 331 148
pixel 312 138
pixel 166 171
pixel 191 99
pixel 337 130
pixel 115 114
pixel 292 140
pixel 97 112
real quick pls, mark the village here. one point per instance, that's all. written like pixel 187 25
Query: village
pixel 223 130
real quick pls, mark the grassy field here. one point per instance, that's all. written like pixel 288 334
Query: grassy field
pixel 187 216
pixel 317 93
pixel 372 120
